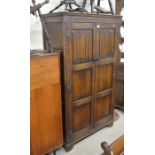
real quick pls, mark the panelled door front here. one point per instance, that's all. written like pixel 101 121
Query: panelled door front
pixel 104 87
pixel 80 52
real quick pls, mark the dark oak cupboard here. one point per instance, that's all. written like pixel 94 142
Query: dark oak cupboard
pixel 89 45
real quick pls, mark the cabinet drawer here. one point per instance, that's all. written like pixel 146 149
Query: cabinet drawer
pixel 44 71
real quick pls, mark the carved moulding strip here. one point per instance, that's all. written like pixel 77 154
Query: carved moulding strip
pixel 89 19
pixel 81 19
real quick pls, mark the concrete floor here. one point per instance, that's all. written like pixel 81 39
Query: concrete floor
pixel 92 144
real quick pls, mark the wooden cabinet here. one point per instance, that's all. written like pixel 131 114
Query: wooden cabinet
pixel 45 104
pixel 90 49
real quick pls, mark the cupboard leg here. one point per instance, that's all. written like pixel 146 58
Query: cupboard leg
pixel 68 148
pixel 111 124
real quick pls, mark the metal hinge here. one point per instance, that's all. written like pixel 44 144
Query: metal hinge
pixel 68 33
pixel 68 87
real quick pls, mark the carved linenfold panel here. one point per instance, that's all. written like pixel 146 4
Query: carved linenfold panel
pixel 82 45
pixel 106 42
pixel 82 79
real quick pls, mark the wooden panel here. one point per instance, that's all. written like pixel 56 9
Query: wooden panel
pixel 45 126
pixel 82 84
pixel 82 45
pixel 120 86
pixel 43 70
pixel 81 117
pixel 102 107
pixel 104 77
pixel 106 42
pixel 56 38
pixel 120 93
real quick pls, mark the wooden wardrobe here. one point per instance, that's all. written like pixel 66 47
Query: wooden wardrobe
pixel 89 45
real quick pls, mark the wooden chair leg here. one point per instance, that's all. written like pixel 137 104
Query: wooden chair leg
pixel 106 148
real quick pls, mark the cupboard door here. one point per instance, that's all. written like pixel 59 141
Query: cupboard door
pixel 103 98
pixel 105 57
pixel 80 86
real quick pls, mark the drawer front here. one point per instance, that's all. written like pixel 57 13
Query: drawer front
pixel 44 71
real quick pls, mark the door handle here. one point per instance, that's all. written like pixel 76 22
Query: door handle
pixel 96 59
